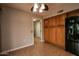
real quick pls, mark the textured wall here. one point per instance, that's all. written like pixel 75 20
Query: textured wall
pixel 16 29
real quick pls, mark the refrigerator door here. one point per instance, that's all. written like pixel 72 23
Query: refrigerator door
pixel 76 48
pixel 70 24
pixel 77 30
pixel 72 34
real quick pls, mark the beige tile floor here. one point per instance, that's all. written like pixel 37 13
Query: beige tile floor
pixel 41 49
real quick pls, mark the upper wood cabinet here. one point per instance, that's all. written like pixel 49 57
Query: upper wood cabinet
pixel 46 23
pixel 60 19
pixel 52 22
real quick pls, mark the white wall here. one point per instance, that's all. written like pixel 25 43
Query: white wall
pixel 16 27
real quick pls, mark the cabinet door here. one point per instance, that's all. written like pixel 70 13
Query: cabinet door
pixel 52 22
pixel 46 23
pixel 46 30
pixel 60 19
pixel 60 36
pixel 53 35
pixel 76 49
pixel 46 35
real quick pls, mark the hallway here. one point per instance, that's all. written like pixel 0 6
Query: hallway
pixel 40 49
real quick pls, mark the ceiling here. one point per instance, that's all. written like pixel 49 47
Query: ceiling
pixel 53 8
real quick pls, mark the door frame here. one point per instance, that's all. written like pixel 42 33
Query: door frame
pixel 42 28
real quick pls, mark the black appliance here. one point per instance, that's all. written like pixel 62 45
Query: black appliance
pixel 72 34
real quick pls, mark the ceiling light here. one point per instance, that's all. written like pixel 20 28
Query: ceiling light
pixel 42 6
pixel 40 10
pixel 34 19
pixel 35 6
pixel 39 7
pixel 34 10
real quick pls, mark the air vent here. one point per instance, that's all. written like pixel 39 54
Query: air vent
pixel 60 11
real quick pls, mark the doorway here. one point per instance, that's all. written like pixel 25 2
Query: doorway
pixel 37 31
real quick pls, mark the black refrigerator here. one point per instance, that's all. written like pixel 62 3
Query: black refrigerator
pixel 72 34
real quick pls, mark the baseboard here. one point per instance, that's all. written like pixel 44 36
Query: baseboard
pixel 5 52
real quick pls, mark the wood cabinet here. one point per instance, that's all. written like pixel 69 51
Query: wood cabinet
pixel 60 19
pixel 46 31
pixel 53 36
pixel 46 35
pixel 52 22
pixel 60 36
pixel 60 30
pixel 55 32
pixel 46 23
